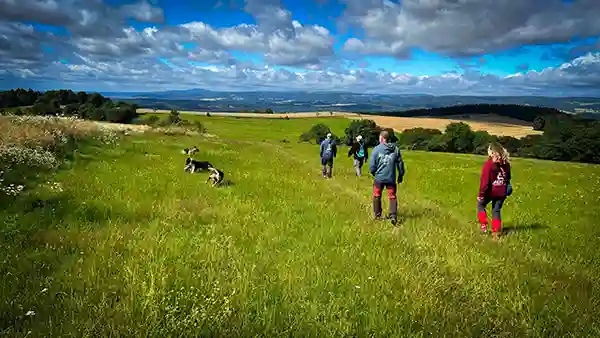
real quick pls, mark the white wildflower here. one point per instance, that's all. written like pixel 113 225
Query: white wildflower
pixel 30 313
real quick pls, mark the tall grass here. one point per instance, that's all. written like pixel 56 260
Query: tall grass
pixel 130 245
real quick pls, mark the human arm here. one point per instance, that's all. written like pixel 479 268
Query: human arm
pixel 400 167
pixel 484 182
pixel 373 163
pixel 321 149
pixel 352 150
pixel 334 148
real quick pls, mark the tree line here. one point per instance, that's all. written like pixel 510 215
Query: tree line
pixel 91 106
pixel 516 111
pixel 564 138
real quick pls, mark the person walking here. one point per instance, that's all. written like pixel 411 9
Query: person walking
pixel 328 152
pixel 386 159
pixel 360 154
pixel 494 187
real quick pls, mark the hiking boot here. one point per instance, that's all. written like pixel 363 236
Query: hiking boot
pixel 394 220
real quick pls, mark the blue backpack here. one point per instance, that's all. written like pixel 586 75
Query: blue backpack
pixel 361 151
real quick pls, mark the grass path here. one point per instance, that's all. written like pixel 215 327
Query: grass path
pixel 134 246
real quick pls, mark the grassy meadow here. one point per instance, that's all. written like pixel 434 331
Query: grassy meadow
pixel 130 245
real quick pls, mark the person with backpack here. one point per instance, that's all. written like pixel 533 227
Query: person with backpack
pixel 386 159
pixel 494 187
pixel 359 151
pixel 328 152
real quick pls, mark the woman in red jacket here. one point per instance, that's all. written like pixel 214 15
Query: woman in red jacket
pixel 494 187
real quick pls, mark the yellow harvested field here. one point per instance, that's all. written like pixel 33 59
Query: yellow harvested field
pixel 495 125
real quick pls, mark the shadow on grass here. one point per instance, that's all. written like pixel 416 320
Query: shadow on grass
pixel 516 228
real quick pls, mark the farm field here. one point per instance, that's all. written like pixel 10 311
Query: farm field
pixel 495 125
pixel 133 246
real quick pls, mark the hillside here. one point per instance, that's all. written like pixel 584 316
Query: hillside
pixel 130 245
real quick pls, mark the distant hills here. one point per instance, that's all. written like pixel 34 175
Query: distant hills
pixel 303 101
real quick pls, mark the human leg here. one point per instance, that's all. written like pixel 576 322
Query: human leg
pixel 358 167
pixel 391 189
pixel 482 214
pixel 377 189
pixel 496 215
pixel 329 168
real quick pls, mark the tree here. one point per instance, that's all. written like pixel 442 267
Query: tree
pixel 417 138
pixel 174 117
pixel 481 142
pixel 368 129
pixel 539 123
pixel 438 143
pixel 71 109
pixel 459 138
pixel 317 133
pixel 511 144
pixel 96 100
pixel 96 114
pixel 269 111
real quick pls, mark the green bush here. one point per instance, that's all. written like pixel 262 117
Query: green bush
pixel 417 138
pixel 317 133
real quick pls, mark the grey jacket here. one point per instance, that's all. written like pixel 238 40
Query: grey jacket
pixel 386 159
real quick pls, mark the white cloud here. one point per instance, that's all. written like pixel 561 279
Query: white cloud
pixel 467 27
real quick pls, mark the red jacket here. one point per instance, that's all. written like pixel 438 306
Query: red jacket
pixel 494 179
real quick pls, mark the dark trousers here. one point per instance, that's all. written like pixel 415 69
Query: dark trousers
pixel 327 164
pixel 391 190
pixel 496 215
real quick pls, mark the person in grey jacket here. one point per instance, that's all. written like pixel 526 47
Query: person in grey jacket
pixel 386 160
pixel 328 151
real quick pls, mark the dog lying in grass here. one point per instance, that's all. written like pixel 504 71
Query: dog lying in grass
pixel 193 166
pixel 191 151
pixel 216 176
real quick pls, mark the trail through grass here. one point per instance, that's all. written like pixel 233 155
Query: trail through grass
pixel 135 246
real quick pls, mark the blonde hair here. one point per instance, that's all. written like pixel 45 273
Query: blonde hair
pixel 496 148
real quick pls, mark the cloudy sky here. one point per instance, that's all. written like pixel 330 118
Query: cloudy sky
pixel 466 47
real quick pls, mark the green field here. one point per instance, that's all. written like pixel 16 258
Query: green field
pixel 133 246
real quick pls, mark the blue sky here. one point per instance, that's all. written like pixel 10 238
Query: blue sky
pixel 483 47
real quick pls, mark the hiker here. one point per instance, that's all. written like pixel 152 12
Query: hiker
pixel 385 160
pixel 359 151
pixel 494 187
pixel 327 153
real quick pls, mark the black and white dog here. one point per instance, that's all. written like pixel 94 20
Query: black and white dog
pixel 191 151
pixel 216 176
pixel 193 166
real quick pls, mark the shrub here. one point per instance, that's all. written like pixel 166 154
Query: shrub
pixel 152 120
pixel 174 117
pixel 269 111
pixel 417 138
pixel 438 143
pixel 199 127
pixel 317 133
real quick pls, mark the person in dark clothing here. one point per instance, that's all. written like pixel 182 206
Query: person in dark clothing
pixel 360 154
pixel 494 186
pixel 328 152
pixel 386 159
